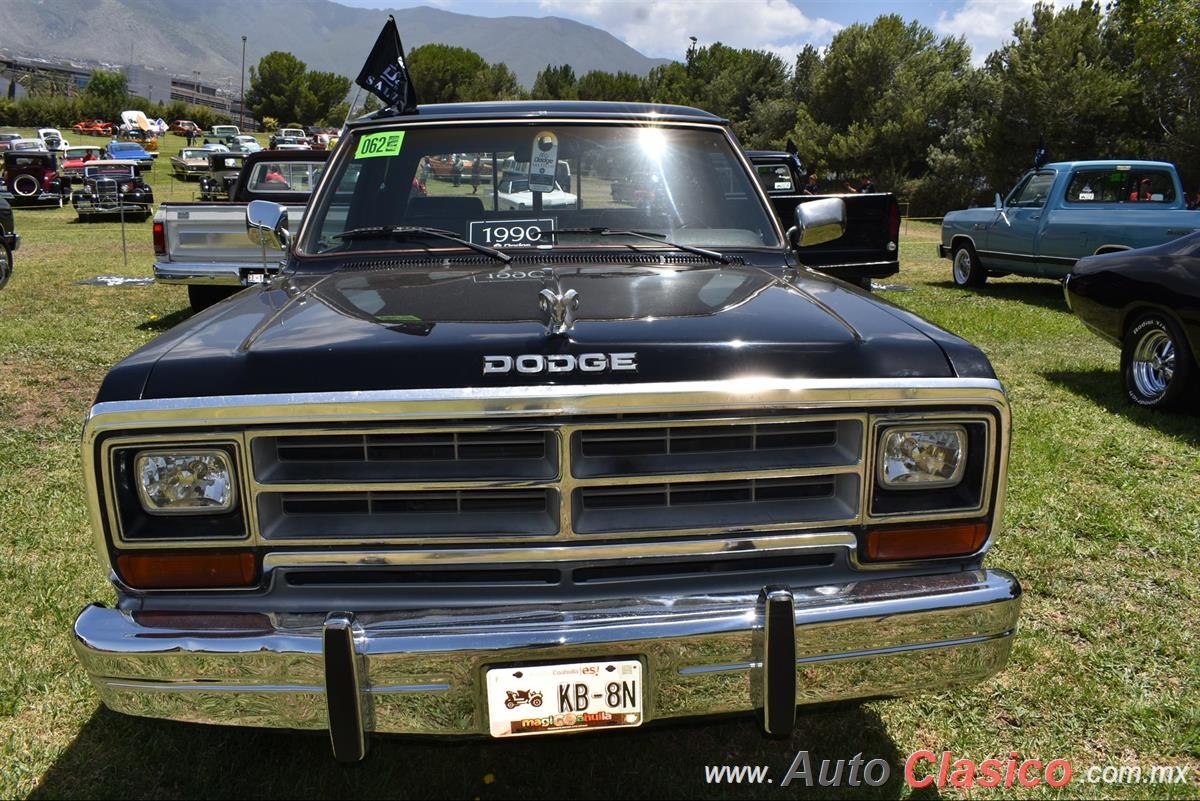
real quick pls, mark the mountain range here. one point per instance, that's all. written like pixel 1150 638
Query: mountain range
pixel 185 36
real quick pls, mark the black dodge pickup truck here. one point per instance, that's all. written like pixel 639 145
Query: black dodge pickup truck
pixel 464 467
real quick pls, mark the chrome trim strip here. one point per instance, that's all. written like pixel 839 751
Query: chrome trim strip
pixel 333 488
pixel 560 551
pixel 511 401
pixel 1028 258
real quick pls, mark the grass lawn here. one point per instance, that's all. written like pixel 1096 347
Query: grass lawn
pixel 1101 527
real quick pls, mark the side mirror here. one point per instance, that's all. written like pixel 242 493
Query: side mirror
pixel 268 221
pixel 999 202
pixel 819 221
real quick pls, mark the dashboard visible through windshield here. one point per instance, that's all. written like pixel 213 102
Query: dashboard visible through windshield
pixel 509 186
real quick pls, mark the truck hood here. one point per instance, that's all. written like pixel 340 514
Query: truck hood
pixel 416 327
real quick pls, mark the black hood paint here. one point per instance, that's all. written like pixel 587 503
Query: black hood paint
pixel 429 327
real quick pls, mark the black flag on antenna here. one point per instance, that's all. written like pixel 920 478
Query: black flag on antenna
pixel 385 74
pixel 794 153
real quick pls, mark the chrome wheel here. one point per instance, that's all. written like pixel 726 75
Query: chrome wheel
pixel 962 266
pixel 1153 364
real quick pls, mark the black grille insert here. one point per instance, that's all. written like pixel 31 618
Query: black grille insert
pixel 715 448
pixel 715 504
pixel 416 513
pixel 401 456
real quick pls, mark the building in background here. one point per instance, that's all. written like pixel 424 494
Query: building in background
pixel 154 84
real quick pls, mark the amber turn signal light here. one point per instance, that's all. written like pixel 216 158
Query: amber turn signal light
pixel 188 571
pixel 924 542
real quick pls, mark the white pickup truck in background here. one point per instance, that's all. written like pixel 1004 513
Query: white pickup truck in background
pixel 205 245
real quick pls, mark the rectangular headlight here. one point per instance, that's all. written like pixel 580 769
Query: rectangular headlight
pixel 191 482
pixel 922 456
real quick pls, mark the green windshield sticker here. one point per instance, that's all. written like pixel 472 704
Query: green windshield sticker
pixel 379 144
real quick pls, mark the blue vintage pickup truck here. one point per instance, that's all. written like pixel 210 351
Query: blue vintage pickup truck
pixel 1064 211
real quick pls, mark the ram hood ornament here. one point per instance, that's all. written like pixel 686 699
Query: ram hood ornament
pixel 559 308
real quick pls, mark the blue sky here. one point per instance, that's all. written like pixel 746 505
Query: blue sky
pixel 661 28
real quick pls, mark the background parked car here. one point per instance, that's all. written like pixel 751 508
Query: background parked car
pixel 112 187
pixel 33 177
pixel 223 134
pixel 223 171
pixel 288 136
pixel 53 139
pixel 131 151
pixel 1064 211
pixel 75 157
pixel 245 144
pixel 1147 303
pixel 93 128
pixel 183 127
pixel 7 138
pixel 192 162
pixel 28 144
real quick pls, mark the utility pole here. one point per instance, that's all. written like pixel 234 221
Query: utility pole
pixel 242 101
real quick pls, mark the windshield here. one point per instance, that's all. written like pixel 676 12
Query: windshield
pixel 286 176
pixel 507 185
pixel 194 153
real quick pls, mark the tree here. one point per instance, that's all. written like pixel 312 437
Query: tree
pixel 494 82
pixel 622 86
pixel 282 87
pixel 1057 79
pixel 881 97
pixel 1157 42
pixel 555 83
pixel 276 85
pixel 443 73
pixel 108 87
pixel 323 92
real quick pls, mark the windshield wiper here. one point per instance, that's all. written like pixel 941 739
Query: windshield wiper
pixel 419 232
pixel 653 236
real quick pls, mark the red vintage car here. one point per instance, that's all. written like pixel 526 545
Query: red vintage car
pixel 182 127
pixel 93 128
pixel 75 158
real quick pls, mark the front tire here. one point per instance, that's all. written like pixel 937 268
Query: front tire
pixel 1156 363
pixel 967 270
pixel 201 297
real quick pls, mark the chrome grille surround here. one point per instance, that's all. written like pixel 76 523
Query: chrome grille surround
pixel 561 411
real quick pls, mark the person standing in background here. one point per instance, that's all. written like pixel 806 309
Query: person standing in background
pixel 475 167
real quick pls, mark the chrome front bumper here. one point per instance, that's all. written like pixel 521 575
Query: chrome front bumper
pixel 421 672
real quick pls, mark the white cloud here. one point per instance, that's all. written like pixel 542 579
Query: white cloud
pixel 987 24
pixel 661 28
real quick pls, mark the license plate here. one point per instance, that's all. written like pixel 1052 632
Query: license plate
pixel 548 699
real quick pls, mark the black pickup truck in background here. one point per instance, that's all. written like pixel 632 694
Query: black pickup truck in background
pixel 869 249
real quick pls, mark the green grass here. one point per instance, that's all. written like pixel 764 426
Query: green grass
pixel 1101 528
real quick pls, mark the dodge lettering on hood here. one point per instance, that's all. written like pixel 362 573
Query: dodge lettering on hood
pixel 461 468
